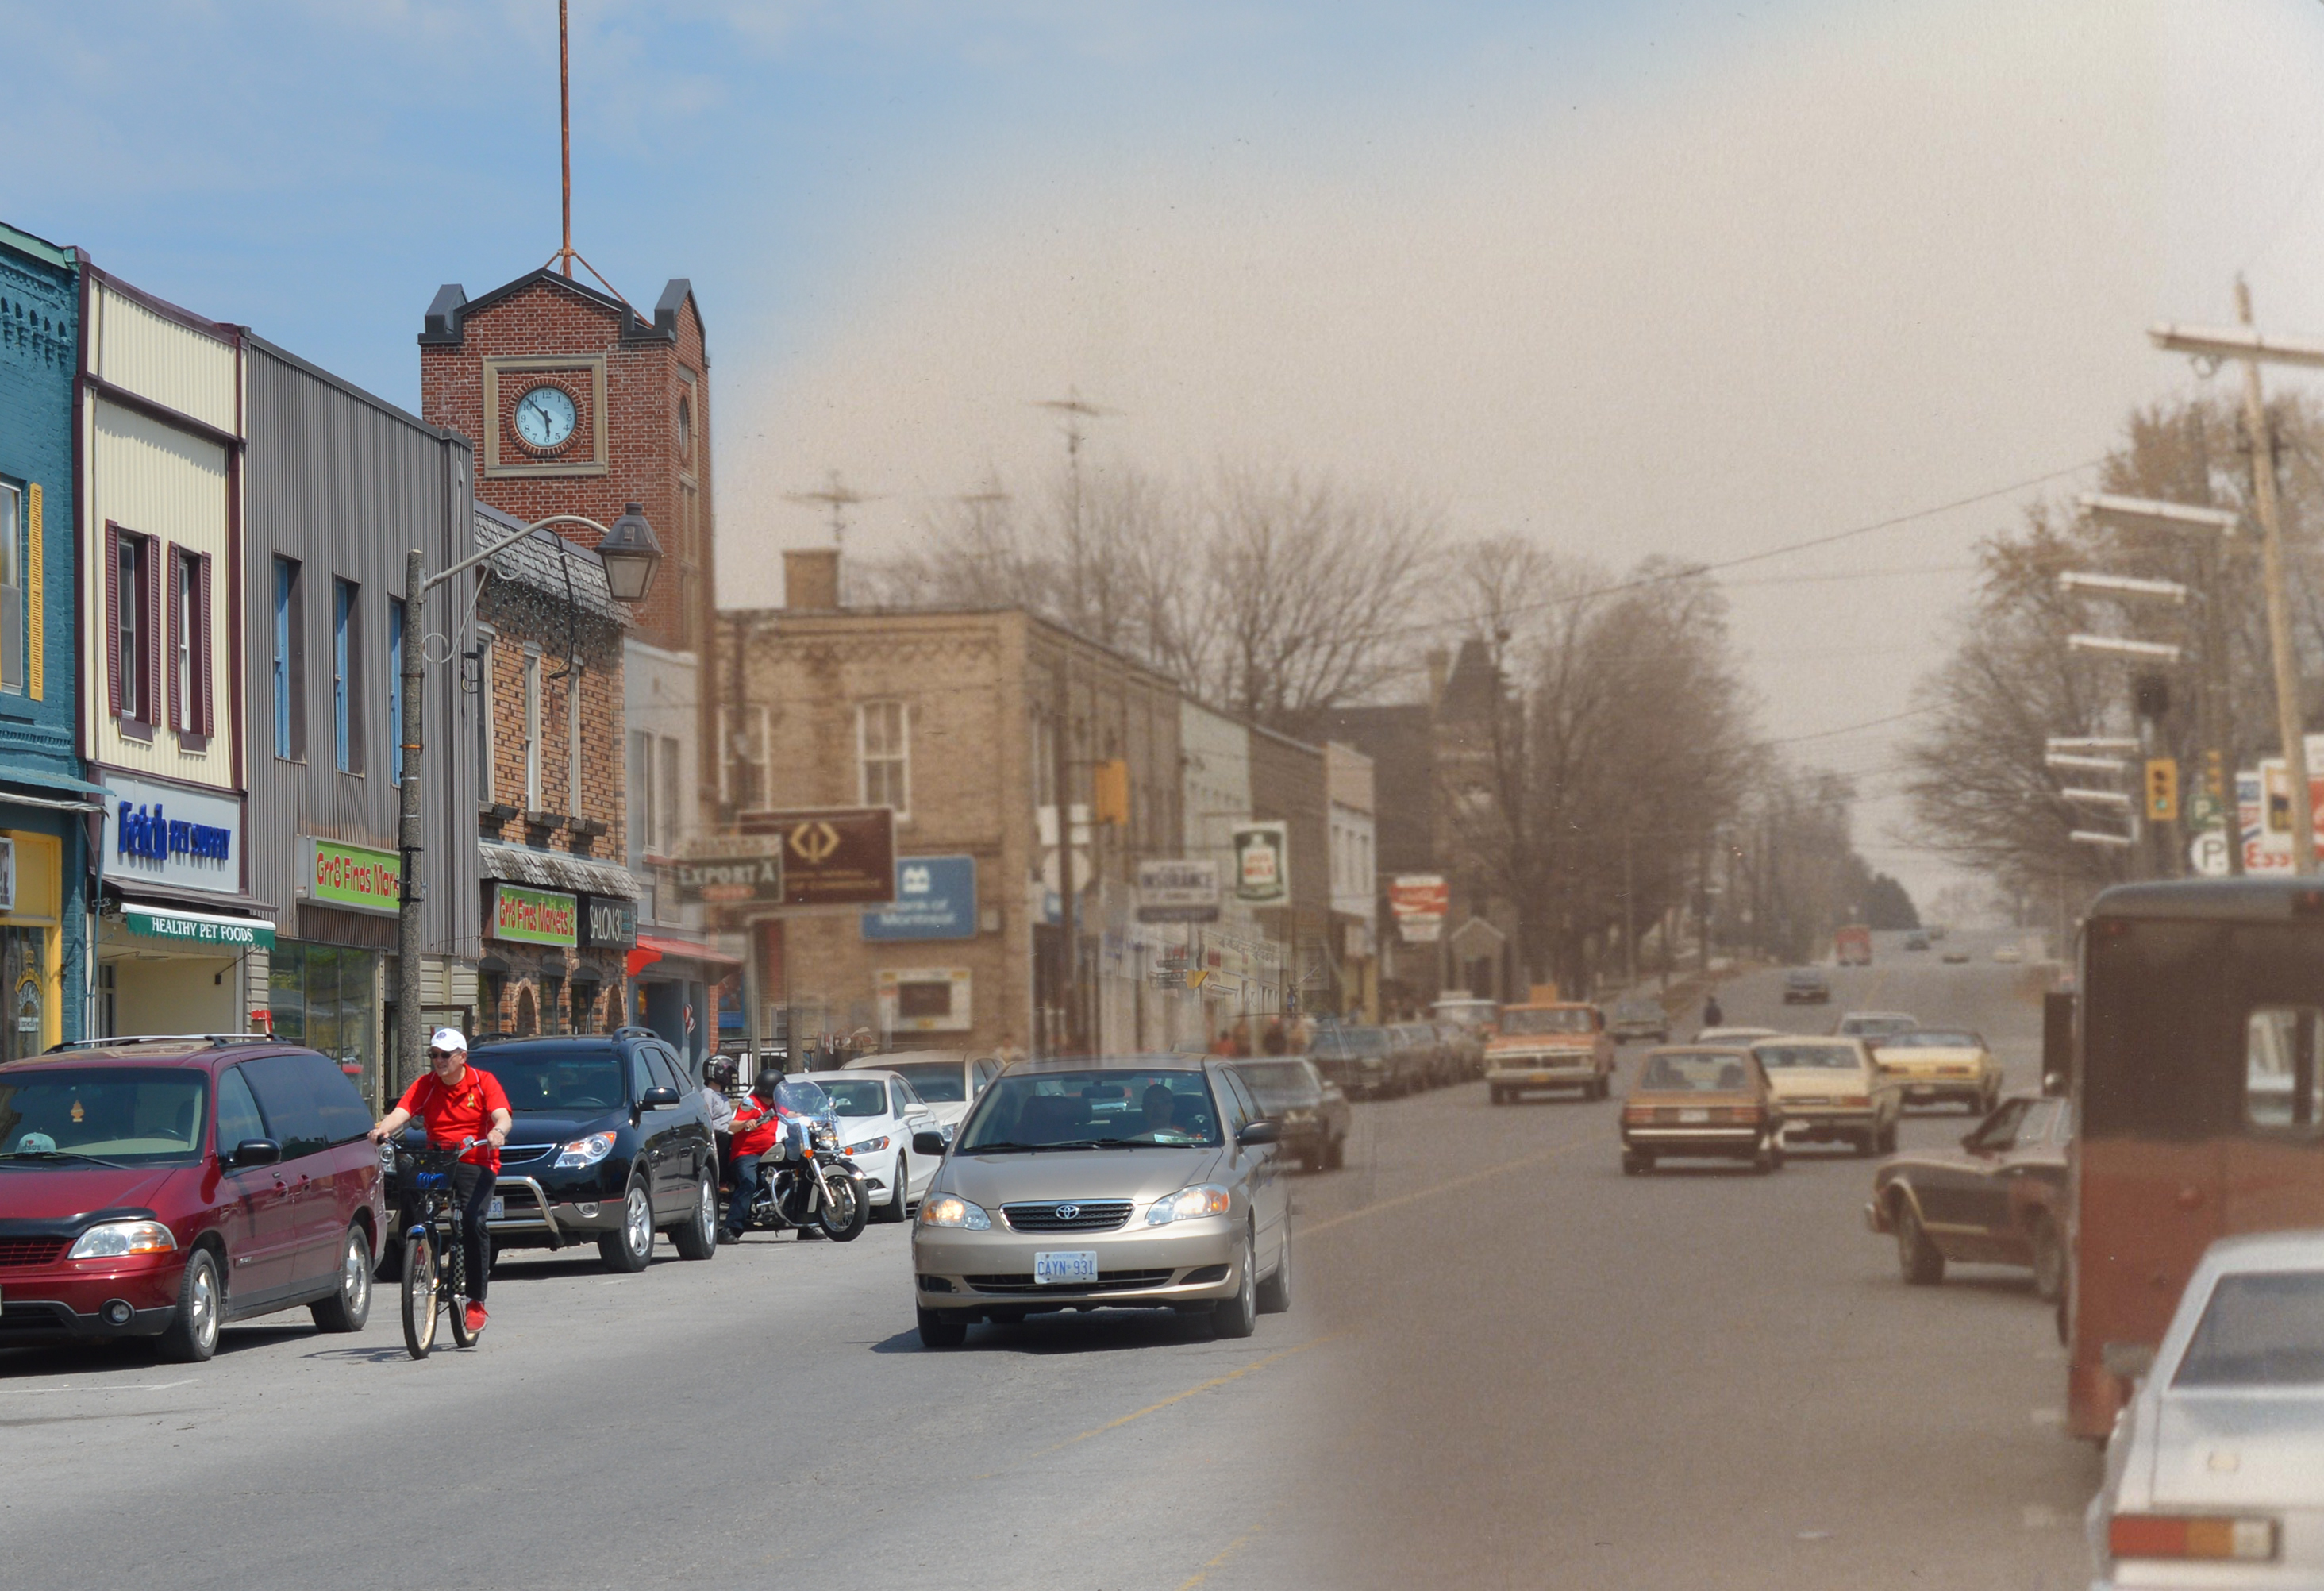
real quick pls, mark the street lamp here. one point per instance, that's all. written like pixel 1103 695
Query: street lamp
pixel 2123 586
pixel 2094 837
pixel 2120 646
pixel 2095 798
pixel 631 556
pixel 2083 765
pixel 2150 513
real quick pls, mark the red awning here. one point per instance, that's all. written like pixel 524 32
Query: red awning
pixel 651 949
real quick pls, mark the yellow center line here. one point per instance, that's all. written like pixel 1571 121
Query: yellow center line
pixel 1211 1385
pixel 1229 1550
pixel 1313 1228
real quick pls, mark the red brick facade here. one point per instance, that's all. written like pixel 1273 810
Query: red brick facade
pixel 602 768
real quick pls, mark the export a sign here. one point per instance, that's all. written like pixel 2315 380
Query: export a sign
pixel 732 871
pixel 534 917
pixel 833 856
pixel 1262 867
pixel 353 877
pixel 936 899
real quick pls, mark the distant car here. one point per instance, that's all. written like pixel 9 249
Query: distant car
pixel 148 1190
pixel 1874 1025
pixel 1806 985
pixel 1361 1060
pixel 1998 1199
pixel 1702 1101
pixel 1466 1046
pixel 875 1113
pixel 1916 941
pixel 1550 1044
pixel 1955 955
pixel 1427 1057
pixel 1473 1011
pixel 1938 1064
pixel 1314 1113
pixel 2008 955
pixel 2211 1474
pixel 1735 1035
pixel 1639 1019
pixel 948 1081
pixel 1831 1092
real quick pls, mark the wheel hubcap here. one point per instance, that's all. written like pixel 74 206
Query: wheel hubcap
pixel 639 1216
pixel 709 1209
pixel 205 1306
pixel 355 1274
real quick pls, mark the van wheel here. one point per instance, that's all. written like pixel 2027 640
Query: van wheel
pixel 1917 1259
pixel 348 1308
pixel 193 1332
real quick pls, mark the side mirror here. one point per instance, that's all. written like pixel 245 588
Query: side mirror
pixel 1259 1133
pixel 931 1145
pixel 658 1099
pixel 2055 1085
pixel 254 1152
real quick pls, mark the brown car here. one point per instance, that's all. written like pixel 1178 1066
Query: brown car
pixel 1998 1200
pixel 1702 1101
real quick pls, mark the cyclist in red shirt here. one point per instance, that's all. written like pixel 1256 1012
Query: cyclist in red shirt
pixel 457 1102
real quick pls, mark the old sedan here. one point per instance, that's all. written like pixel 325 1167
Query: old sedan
pixel 2212 1475
pixel 1832 1093
pixel 1313 1114
pixel 1998 1200
pixel 1082 1184
pixel 1939 1064
pixel 1701 1101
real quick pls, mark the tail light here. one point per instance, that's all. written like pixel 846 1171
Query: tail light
pixel 2251 1539
pixel 1857 1100
pixel 1747 1115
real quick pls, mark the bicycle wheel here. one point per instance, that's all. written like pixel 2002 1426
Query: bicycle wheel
pixel 419 1293
pixel 456 1291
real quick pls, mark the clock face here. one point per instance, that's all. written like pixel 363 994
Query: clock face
pixel 544 417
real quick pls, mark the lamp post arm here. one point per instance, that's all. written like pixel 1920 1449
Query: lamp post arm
pixel 470 562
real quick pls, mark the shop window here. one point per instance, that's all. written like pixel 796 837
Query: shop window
pixel 585 1008
pixel 532 730
pixel 883 752
pixel 552 1004
pixel 524 1017
pixel 290 661
pixel 346 674
pixel 493 989
pixel 133 623
pixel 189 642
pixel 325 996
pixel 23 978
pixel 12 592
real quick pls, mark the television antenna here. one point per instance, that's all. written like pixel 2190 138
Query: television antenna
pixel 837 496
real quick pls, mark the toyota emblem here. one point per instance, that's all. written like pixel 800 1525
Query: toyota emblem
pixel 1066 1212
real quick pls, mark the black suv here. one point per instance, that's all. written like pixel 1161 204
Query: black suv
pixel 610 1142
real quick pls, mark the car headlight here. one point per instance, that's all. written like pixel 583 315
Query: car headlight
pixel 952 1211
pixel 586 1151
pixel 115 1239
pixel 869 1146
pixel 1191 1204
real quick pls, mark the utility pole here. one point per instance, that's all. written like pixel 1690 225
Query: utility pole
pixel 1070 967
pixel 1629 908
pixel 2279 604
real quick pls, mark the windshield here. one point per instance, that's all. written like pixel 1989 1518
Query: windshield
pixel 1875 1026
pixel 857 1096
pixel 1834 1057
pixel 1638 1010
pixel 1274 1081
pixel 1572 1020
pixel 2260 1329
pixel 802 1097
pixel 939 1082
pixel 1355 1042
pixel 1805 974
pixel 1707 1071
pixel 128 1117
pixel 1106 1108
pixel 537 1079
pixel 1933 1039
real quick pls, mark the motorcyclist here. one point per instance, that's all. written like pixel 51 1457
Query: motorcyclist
pixel 757 1126
pixel 718 1093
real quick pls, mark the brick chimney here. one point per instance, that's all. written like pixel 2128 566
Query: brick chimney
pixel 1440 664
pixel 810 579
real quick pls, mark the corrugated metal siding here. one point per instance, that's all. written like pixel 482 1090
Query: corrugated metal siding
pixel 157 358
pixel 346 488
pixel 160 481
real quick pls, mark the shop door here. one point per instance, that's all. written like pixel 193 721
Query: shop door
pixel 24 988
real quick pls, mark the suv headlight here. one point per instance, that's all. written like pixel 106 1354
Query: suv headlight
pixel 1191 1204
pixel 869 1146
pixel 586 1151
pixel 950 1210
pixel 115 1239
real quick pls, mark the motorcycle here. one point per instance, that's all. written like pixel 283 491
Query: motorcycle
pixel 805 1184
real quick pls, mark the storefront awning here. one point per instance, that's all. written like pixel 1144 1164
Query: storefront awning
pixel 555 870
pixel 678 950
pixel 42 779
pixel 198 931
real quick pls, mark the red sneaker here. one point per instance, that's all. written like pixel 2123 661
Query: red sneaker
pixel 477 1318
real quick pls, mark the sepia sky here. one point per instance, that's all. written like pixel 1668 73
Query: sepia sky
pixel 1684 278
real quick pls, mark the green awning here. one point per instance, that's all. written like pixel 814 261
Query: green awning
pixel 200 930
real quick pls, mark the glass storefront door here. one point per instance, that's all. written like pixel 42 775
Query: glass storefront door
pixel 24 987
pixel 325 997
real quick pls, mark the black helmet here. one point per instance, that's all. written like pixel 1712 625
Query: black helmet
pixel 768 1082
pixel 719 1073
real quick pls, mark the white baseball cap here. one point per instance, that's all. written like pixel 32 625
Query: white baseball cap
pixel 448 1038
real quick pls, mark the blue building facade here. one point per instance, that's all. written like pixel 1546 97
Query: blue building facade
pixel 45 801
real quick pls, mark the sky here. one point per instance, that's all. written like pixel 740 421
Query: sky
pixel 1669 277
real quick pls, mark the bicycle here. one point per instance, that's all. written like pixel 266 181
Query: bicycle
pixel 433 1227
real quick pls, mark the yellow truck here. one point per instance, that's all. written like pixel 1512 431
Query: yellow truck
pixel 1545 1042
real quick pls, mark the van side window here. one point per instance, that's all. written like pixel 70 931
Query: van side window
pixel 286 1094
pixel 668 1073
pixel 238 1120
pixel 641 1076
pixel 2281 1085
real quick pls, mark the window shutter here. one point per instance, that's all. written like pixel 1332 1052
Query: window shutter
pixel 169 598
pixel 149 587
pixel 111 648
pixel 204 667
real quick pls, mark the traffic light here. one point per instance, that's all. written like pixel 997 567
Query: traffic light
pixel 1110 794
pixel 2215 774
pixel 2162 789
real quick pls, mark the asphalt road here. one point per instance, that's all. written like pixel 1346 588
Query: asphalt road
pixel 1506 1364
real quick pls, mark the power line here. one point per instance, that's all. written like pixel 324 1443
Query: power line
pixel 1851 728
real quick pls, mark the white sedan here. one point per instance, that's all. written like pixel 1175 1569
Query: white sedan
pixel 878 1112
pixel 948 1081
pixel 2215 1474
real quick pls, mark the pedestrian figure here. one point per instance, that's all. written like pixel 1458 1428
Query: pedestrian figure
pixel 1712 1016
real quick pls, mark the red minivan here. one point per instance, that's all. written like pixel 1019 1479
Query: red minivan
pixel 164 1187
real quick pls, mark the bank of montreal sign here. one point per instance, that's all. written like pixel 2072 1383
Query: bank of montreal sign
pixel 936 899
pixel 167 834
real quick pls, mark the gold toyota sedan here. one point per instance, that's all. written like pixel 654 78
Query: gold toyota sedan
pixel 1831 1092
pixel 1934 1065
pixel 1142 1182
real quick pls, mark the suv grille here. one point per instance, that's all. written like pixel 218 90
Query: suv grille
pixel 1068 1215
pixel 518 1154
pixel 1107 1282
pixel 29 1251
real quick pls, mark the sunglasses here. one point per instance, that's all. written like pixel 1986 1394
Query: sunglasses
pixel 441 1054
